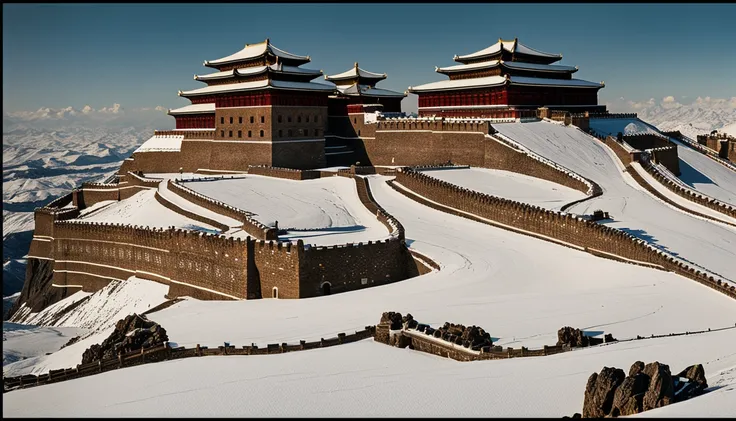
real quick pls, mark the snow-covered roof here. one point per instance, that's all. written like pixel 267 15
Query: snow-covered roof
pixel 460 84
pixel 161 144
pixel 356 89
pixel 356 71
pixel 258 84
pixel 247 71
pixel 194 109
pixel 537 81
pixel 510 46
pixel 488 81
pixel 510 64
pixel 256 50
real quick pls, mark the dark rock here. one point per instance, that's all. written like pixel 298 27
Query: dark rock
pixel 571 337
pixel 689 383
pixel 70 342
pixel 661 389
pixel 636 368
pixel 629 395
pixel 132 333
pixel 609 338
pixel 600 391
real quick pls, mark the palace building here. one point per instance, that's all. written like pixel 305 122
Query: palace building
pixel 263 105
pixel 504 79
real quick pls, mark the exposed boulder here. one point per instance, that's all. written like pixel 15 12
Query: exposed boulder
pixel 661 390
pixel 600 391
pixel 689 382
pixel 646 387
pixel 132 333
pixel 575 338
pixel 629 396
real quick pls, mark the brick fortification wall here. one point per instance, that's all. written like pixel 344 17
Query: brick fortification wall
pixel 413 142
pixel 661 149
pixel 592 237
pixel 286 173
pixel 250 225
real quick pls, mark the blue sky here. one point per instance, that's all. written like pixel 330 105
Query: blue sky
pixel 140 55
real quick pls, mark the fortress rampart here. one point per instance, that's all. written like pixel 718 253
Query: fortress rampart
pixel 573 231
pixel 250 225
pixel 286 173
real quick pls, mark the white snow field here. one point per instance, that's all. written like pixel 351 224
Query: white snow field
pixel 96 317
pixel 367 378
pixel 697 170
pixel 25 341
pixel 143 209
pixel 704 243
pixel 729 129
pixel 518 288
pixel 324 211
pixel 510 185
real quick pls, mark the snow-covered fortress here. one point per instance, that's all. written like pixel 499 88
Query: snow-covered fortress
pixel 262 108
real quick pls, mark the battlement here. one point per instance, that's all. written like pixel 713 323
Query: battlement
pixel 562 228
pixel 286 173
pixel 434 124
pixel 613 115
pixel 250 225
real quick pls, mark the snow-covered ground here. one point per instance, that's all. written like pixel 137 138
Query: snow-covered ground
pixel 697 170
pixel 367 378
pixel 24 341
pixel 143 209
pixel 96 316
pixel 520 289
pixel 510 185
pixel 729 129
pixel 704 243
pixel 324 211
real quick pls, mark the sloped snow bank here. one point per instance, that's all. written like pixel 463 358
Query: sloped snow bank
pixel 97 315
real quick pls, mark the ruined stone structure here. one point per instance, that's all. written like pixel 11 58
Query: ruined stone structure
pixel 507 79
pixel 721 143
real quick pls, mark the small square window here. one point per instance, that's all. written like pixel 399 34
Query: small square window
pixel 281 133
pixel 279 119
pixel 263 119
pixel 251 119
pixel 231 120
pixel 261 133
pixel 299 119
pixel 222 120
pixel 240 120
pixel 288 119
pixel 240 133
pixel 249 135
pixel 316 132
pixel 222 133
pixel 307 119
pixel 230 134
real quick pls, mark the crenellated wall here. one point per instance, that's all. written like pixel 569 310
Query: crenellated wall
pixel 557 227
pixel 286 173
pixel 250 225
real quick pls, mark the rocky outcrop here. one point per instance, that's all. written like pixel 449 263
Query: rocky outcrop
pixel 646 387
pixel 37 292
pixel 132 333
pixel 575 338
pixel 472 337
pixel 600 391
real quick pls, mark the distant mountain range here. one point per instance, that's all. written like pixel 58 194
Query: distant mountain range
pixel 691 120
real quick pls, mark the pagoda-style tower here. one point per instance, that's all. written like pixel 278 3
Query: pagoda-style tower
pixel 358 87
pixel 355 104
pixel 261 109
pixel 502 79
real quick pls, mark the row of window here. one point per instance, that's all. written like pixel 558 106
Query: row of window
pixel 263 119
pixel 240 120
pixel 289 133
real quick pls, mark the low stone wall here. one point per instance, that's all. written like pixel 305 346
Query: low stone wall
pixel 165 352
pixel 551 225
pixel 191 215
pixel 250 225
pixel 286 173
pixel 691 195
